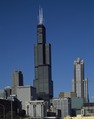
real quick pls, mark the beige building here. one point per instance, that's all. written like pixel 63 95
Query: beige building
pixel 67 94
pixel 80 117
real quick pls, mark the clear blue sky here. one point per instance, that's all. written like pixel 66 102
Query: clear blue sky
pixel 69 28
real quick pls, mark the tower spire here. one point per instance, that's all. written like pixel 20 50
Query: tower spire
pixel 40 15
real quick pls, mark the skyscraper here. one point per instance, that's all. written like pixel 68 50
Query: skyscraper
pixel 79 84
pixel 42 58
pixel 17 80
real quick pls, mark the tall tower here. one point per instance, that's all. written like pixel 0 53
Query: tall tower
pixel 17 80
pixel 79 84
pixel 42 58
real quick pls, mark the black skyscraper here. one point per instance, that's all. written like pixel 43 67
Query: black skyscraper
pixel 42 58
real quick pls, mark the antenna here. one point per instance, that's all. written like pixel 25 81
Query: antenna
pixel 40 15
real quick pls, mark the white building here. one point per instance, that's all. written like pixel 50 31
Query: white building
pixel 36 109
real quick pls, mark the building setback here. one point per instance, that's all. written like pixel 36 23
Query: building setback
pixel 42 58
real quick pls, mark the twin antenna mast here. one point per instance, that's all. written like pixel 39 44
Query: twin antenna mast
pixel 40 15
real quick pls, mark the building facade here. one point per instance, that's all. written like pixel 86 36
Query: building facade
pixel 76 105
pixel 63 104
pixel 42 58
pixel 36 109
pixel 87 109
pixel 67 94
pixel 26 93
pixel 79 84
pixel 17 80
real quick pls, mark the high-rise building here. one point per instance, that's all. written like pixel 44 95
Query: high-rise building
pixel 17 80
pixel 80 84
pixel 42 58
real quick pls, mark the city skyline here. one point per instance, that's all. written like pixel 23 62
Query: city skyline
pixel 69 29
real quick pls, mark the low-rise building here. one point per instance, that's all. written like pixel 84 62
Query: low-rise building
pixel 26 93
pixel 36 109
pixel 63 104
pixel 76 105
pixel 87 109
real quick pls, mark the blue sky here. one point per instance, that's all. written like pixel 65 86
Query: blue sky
pixel 69 28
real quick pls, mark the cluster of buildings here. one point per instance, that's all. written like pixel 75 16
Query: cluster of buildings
pixel 37 101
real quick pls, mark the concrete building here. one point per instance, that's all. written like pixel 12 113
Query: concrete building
pixel 63 104
pixel 42 58
pixel 79 84
pixel 26 93
pixel 17 80
pixel 36 109
pixel 67 94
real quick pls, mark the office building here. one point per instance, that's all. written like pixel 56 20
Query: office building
pixel 25 93
pixel 76 105
pixel 17 80
pixel 63 104
pixel 42 58
pixel 79 84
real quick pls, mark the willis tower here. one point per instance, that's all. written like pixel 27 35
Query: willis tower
pixel 42 63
